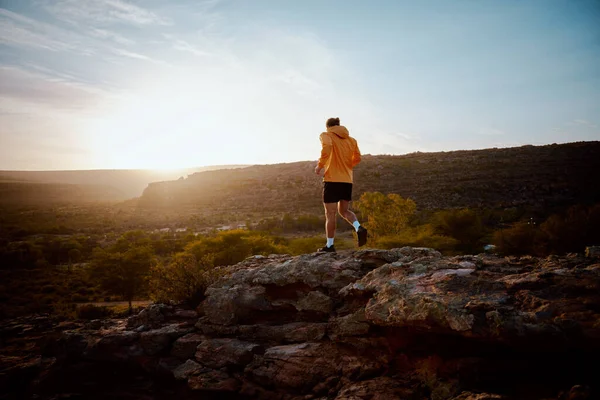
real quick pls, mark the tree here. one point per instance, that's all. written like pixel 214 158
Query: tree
pixel 184 279
pixel 123 273
pixel 385 215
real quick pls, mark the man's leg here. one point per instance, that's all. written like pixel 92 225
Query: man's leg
pixel 330 214
pixel 344 210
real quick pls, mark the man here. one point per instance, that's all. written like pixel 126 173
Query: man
pixel 339 155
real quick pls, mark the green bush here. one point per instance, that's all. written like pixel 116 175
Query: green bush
pixel 184 279
pixel 231 247
pixel 385 215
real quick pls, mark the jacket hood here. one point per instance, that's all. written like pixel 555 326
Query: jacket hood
pixel 340 131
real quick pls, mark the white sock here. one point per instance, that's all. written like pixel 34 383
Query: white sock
pixel 356 225
pixel 329 242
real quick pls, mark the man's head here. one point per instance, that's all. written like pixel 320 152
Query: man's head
pixel 333 122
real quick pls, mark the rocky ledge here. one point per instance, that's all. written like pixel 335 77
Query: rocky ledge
pixel 373 324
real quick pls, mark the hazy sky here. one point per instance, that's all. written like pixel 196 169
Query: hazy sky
pixel 175 83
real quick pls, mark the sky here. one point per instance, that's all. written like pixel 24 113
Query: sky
pixel 103 84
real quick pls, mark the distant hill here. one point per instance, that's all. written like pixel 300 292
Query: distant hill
pixel 544 177
pixel 106 185
pixel 23 193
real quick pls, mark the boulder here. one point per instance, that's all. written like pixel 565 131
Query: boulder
pixel 151 317
pixel 187 369
pixel 185 346
pixel 478 396
pixel 381 388
pixel 213 381
pixel 301 367
pixel 354 324
pixel 504 303
pixel 288 333
pixel 158 340
pixel 230 353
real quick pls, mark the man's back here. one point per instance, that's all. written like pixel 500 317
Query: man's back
pixel 340 154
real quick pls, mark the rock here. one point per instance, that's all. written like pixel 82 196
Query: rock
pixel 229 353
pixel 229 305
pixel 368 324
pixel 478 396
pixel 278 289
pixel 185 346
pixel 184 314
pixel 441 295
pixel 592 251
pixel 315 301
pixel 214 381
pixel 157 340
pixel 71 325
pixel 300 367
pixel 287 333
pixel 350 325
pixel 578 392
pixel 151 316
pixel 187 369
pixel 382 388
pixel 114 339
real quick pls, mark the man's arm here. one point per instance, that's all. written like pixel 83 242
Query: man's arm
pixel 356 157
pixel 326 148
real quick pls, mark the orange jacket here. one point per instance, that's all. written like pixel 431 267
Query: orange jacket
pixel 339 154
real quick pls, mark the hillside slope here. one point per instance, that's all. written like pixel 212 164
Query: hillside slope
pixel 534 176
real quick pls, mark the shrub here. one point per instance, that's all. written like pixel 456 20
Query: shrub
pixel 519 239
pixel 231 247
pixel 184 279
pixel 64 310
pixel 385 215
pixel 463 225
pixel 420 236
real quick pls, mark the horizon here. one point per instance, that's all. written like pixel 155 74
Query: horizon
pixel 124 85
pixel 235 166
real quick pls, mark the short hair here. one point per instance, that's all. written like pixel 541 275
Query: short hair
pixel 333 122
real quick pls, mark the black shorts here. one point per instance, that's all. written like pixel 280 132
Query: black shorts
pixel 336 191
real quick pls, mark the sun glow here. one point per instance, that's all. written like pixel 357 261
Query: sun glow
pixel 165 127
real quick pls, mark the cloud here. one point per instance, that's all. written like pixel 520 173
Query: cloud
pixel 131 54
pixel 103 11
pixel 182 45
pixel 18 30
pixel 104 34
pixel 34 92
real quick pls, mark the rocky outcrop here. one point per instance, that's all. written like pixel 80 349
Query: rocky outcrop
pixel 372 324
